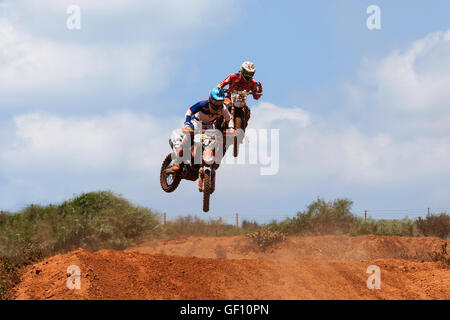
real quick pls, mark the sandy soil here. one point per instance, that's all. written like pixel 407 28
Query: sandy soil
pixel 328 267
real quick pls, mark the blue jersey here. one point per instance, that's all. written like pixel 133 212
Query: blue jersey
pixel 200 112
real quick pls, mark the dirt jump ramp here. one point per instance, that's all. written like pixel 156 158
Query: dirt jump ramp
pixel 232 268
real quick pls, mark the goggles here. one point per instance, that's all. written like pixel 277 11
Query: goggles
pixel 247 74
pixel 216 104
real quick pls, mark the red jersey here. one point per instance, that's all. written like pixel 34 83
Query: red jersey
pixel 237 83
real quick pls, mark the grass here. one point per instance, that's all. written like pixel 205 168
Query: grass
pixel 194 226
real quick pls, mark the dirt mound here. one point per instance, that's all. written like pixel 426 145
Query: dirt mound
pixel 130 274
pixel 302 248
pixel 110 274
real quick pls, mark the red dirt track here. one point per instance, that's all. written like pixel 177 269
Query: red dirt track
pixel 328 267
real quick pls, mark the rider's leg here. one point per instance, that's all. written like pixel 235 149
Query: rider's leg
pixel 247 115
pixel 198 128
pixel 240 133
pixel 176 140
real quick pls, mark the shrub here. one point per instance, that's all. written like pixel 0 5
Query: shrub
pixel 194 226
pixel 404 227
pixel 8 277
pixel 320 218
pixel 249 226
pixel 93 221
pixel 265 238
pixel 436 226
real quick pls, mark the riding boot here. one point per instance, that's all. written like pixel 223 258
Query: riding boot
pixel 200 180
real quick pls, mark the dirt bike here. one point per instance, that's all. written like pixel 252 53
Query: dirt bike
pixel 239 115
pixel 202 165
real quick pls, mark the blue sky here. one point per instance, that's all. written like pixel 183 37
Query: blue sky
pixel 362 114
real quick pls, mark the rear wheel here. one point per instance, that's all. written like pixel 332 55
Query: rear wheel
pixel 206 189
pixel 169 181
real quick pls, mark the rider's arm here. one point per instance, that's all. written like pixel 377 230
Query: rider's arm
pixel 256 90
pixel 227 117
pixel 193 110
pixel 227 81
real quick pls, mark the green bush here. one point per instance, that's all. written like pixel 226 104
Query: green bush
pixel 249 226
pixel 320 218
pixel 93 221
pixel 194 226
pixel 335 217
pixel 436 226
pixel 404 227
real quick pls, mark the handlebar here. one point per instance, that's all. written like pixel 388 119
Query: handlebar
pixel 248 92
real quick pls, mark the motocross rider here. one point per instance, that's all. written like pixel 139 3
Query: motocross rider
pixel 243 80
pixel 202 116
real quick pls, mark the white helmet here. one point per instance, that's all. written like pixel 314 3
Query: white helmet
pixel 248 70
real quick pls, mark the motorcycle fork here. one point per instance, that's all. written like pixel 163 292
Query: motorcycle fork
pixel 232 114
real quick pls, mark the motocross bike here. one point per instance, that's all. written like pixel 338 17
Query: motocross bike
pixel 239 115
pixel 201 165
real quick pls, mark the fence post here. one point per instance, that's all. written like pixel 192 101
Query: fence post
pixel 365 215
pixel 237 221
pixel 164 218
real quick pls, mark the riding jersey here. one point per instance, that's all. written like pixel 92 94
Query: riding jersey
pixel 200 112
pixel 237 83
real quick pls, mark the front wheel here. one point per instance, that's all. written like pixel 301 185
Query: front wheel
pixel 213 181
pixel 169 180
pixel 206 189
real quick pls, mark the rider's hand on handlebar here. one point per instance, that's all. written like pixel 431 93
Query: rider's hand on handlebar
pixel 259 90
pixel 188 128
pixel 259 87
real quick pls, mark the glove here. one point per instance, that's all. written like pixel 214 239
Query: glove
pixel 259 87
pixel 258 92
pixel 188 128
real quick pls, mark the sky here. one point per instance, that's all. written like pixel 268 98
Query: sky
pixel 360 114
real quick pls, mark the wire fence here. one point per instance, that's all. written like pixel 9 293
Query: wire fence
pixel 264 218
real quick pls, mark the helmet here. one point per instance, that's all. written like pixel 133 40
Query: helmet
pixel 216 98
pixel 248 70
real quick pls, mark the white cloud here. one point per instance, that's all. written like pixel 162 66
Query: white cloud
pixel 124 48
pixel 264 114
pixel 30 65
pixel 112 143
pixel 49 157
pixel 416 80
pixel 403 100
